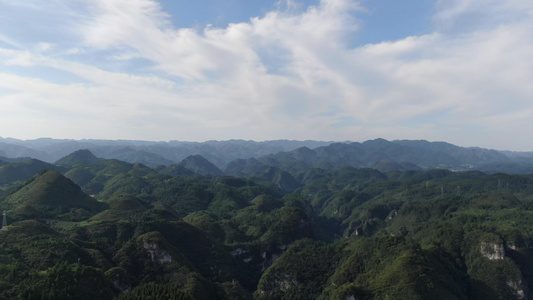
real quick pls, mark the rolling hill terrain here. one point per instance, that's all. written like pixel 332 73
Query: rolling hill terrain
pixel 344 221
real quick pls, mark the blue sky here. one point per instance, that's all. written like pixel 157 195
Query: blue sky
pixel 445 70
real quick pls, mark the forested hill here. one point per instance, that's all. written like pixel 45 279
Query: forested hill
pixel 92 228
pixel 238 157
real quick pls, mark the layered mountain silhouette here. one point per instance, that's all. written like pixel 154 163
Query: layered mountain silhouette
pixel 151 154
pixel 24 170
pixel 176 170
pixel 280 178
pixel 387 156
pixel 79 157
pixel 245 158
pixel 200 165
pixel 244 167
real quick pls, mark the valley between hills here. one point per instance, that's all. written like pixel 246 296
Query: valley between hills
pixel 95 219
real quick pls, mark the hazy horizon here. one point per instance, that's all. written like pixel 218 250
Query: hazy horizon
pixel 251 140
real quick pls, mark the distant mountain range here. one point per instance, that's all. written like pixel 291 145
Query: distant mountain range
pixel 151 154
pixel 385 156
pixel 246 158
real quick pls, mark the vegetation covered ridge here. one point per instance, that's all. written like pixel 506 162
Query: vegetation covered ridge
pixel 91 228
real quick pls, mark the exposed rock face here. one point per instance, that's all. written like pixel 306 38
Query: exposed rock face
pixel 239 251
pixel 157 254
pixel 286 283
pixel 121 286
pixel 283 283
pixel 259 260
pixel 492 251
pixel 268 259
pixel 516 286
pixel 512 247
pixel 119 278
pixel 393 214
pixel 242 254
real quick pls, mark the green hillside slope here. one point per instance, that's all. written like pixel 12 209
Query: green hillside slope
pixel 50 195
pixel 337 232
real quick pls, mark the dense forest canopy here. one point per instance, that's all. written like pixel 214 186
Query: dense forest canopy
pixel 291 225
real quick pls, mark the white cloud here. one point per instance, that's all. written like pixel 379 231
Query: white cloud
pixel 43 47
pixel 72 51
pixel 288 74
pixel 126 56
pixel 16 58
pixel 9 41
pixel 465 15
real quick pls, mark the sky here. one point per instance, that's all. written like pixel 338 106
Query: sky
pixel 459 71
